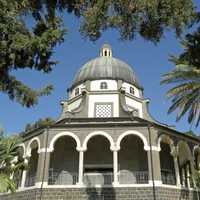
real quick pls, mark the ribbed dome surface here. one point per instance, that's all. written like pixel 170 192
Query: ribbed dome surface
pixel 105 68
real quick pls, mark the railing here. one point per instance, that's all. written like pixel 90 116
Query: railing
pixel 62 177
pixel 135 177
pixel 91 179
pixel 168 177
pixel 17 181
pixel 30 180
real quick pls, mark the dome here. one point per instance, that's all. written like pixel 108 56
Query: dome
pixel 105 67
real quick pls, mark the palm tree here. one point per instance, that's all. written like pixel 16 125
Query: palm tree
pixel 185 95
pixel 10 162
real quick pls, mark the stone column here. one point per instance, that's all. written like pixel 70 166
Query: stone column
pixel 42 174
pixel 188 175
pixel 176 166
pixel 183 177
pixel 115 167
pixel 80 171
pixel 174 153
pixel 24 173
pixel 155 171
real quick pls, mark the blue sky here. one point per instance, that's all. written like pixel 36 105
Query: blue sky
pixel 148 61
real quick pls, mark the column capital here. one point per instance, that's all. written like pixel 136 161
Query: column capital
pixel 114 148
pixel 45 150
pixel 153 148
pixel 81 149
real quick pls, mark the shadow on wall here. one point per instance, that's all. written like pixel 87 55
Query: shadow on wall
pixel 187 195
pixel 100 193
pixel 184 195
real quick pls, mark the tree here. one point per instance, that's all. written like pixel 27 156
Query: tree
pixel 10 162
pixel 40 123
pixel 23 47
pixel 31 46
pixel 185 94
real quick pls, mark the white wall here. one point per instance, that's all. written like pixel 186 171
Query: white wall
pixel 74 104
pixel 105 98
pixel 127 86
pixel 135 104
pixel 95 85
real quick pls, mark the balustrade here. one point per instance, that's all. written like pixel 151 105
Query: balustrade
pixel 135 177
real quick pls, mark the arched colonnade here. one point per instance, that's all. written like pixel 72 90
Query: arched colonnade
pixel 99 160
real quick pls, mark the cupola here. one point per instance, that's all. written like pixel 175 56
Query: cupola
pixel 106 50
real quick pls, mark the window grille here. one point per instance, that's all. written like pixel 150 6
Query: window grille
pixel 103 110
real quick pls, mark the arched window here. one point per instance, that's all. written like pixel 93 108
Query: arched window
pixel 132 91
pixel 103 85
pixel 76 91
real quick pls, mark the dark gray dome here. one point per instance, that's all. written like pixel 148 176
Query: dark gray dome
pixel 105 68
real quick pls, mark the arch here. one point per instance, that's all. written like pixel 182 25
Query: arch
pixel 184 152
pixel 61 134
pixel 28 152
pixel 102 133
pixel 167 160
pixel 140 135
pixel 166 139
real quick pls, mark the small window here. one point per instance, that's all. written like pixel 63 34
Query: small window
pixel 105 53
pixel 76 91
pixel 132 91
pixel 103 110
pixel 103 85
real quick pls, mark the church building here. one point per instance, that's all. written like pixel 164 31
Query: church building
pixel 106 145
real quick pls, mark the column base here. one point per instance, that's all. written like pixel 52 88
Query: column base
pixel 114 184
pixel 40 184
pixel 81 184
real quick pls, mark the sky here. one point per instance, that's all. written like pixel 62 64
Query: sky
pixel 148 61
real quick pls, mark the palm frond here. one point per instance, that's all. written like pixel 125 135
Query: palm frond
pixel 185 95
pixel 6 184
pixel 9 165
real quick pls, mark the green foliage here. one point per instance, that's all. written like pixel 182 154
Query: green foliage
pixel 191 45
pixel 30 45
pixel 40 123
pixel 190 133
pixel 185 94
pixel 22 46
pixel 149 18
pixel 9 165
pixel 6 183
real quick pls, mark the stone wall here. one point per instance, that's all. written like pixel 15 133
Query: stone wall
pixel 134 193
pixel 22 195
